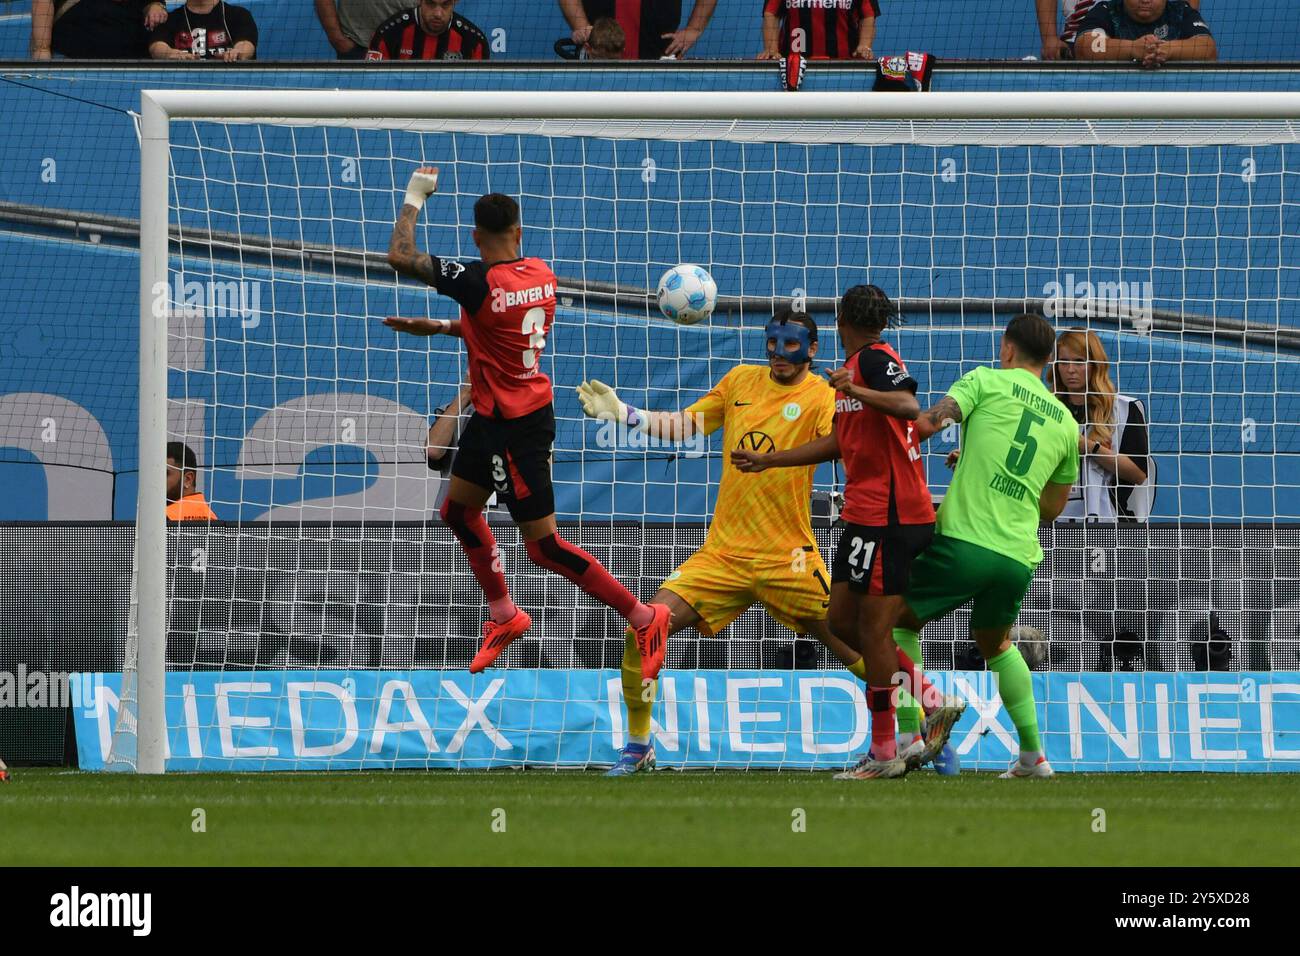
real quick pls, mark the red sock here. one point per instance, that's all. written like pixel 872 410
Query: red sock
pixel 880 700
pixel 480 548
pixel 567 560
pixel 925 693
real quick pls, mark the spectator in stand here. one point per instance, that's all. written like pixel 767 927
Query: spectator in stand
pixel 432 30
pixel 184 501
pixel 1113 445
pixel 819 29
pixel 94 29
pixel 349 24
pixel 205 30
pixel 607 40
pixel 649 27
pixel 1061 47
pixel 1151 32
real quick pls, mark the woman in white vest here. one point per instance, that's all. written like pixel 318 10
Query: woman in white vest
pixel 1116 480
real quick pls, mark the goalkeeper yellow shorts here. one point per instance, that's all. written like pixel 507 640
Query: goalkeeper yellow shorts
pixel 721 587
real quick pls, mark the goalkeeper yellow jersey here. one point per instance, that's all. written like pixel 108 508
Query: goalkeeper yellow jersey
pixel 767 513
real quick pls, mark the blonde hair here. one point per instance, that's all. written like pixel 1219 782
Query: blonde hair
pixel 1099 397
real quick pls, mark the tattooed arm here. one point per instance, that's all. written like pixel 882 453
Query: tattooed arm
pixel 402 254
pixel 938 417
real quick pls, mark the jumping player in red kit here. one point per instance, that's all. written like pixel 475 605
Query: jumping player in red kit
pixel 888 521
pixel 507 306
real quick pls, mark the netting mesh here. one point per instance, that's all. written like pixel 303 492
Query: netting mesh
pixel 302 407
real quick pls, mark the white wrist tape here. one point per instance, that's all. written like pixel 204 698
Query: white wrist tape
pixel 416 195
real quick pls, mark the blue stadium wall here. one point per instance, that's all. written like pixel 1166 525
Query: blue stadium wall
pixel 62 333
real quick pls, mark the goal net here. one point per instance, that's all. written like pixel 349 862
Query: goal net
pixel 326 618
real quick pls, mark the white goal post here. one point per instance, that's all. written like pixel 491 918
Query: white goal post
pixel 986 118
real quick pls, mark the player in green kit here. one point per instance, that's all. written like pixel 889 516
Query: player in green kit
pixel 1019 458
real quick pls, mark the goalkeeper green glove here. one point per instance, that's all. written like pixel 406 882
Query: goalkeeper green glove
pixel 600 401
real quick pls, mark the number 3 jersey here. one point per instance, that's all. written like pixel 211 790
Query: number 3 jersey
pixel 506 313
pixel 1016 436
pixel 884 480
pixel 767 514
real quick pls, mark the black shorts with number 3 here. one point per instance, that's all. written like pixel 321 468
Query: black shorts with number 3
pixel 878 559
pixel 511 456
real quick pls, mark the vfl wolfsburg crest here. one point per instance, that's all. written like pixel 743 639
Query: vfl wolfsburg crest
pixel 792 411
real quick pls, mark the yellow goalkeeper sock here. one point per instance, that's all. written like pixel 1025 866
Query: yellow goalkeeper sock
pixel 637 698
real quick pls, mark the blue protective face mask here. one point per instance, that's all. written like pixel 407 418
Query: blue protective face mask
pixel 779 334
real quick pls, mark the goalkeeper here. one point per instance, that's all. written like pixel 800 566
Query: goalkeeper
pixel 1020 457
pixel 760 546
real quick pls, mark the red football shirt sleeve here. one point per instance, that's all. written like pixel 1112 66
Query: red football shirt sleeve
pixel 774 8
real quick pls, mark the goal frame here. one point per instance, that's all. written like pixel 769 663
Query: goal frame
pixel 158 108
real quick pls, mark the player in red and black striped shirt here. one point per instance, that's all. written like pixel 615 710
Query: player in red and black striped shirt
pixel 507 305
pixel 819 29
pixel 431 31
pixel 888 518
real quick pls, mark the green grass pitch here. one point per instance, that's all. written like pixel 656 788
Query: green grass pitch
pixel 53 817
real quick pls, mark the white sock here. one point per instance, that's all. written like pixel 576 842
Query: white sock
pixel 1029 757
pixel 638 740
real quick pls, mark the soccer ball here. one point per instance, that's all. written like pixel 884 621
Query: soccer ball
pixel 687 294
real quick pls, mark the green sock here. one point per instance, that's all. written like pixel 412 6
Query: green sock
pixel 909 711
pixel 1016 687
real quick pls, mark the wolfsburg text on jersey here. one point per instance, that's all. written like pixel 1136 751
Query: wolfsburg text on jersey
pixel 1040 403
